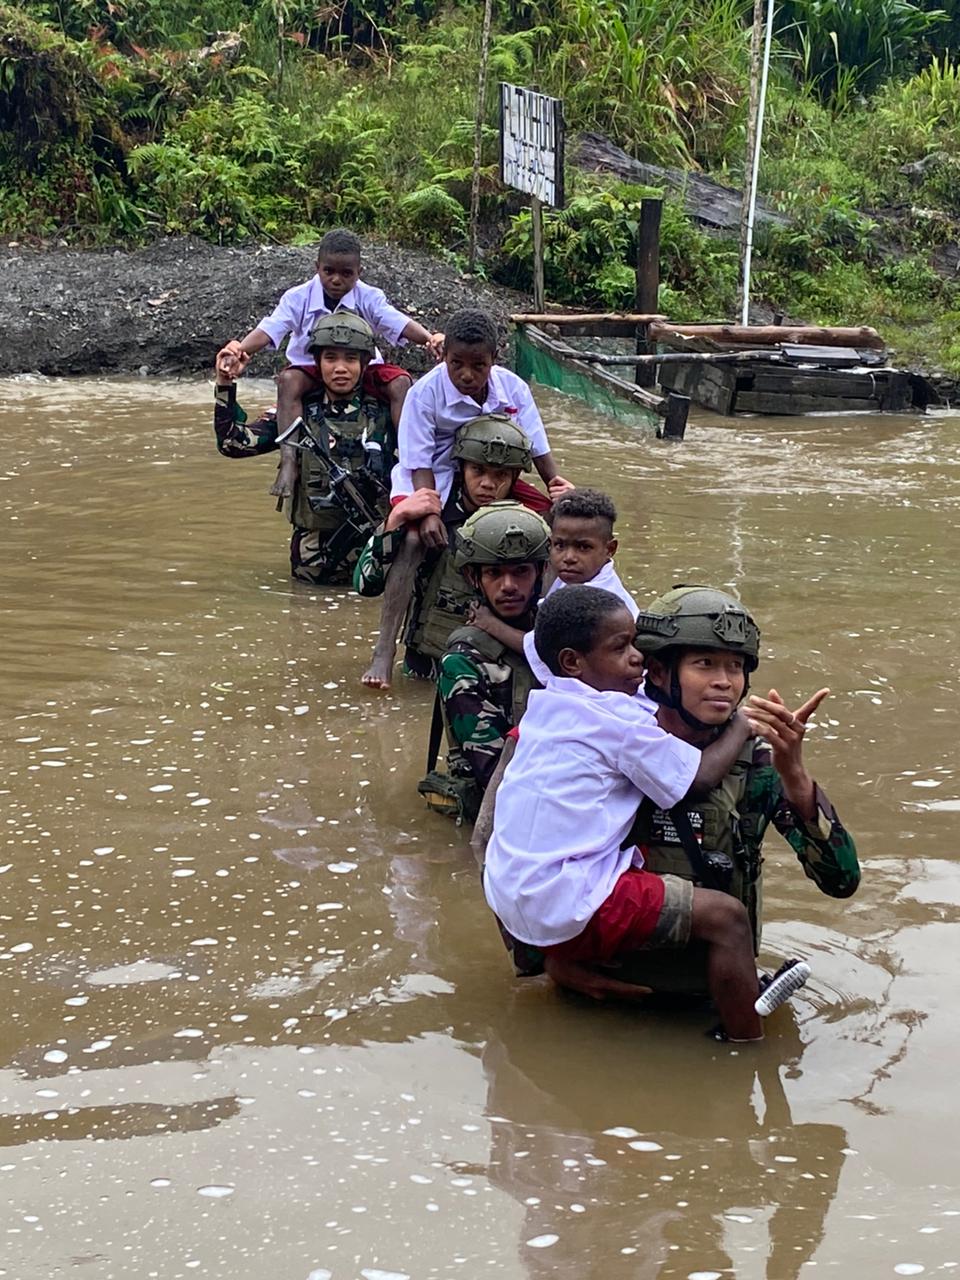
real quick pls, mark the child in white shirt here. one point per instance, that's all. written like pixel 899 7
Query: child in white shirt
pixel 589 750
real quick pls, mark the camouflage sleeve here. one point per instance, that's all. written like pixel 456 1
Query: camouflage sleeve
pixel 235 439
pixel 824 847
pixel 370 571
pixel 477 723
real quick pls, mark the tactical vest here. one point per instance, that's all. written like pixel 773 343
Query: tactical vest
pixel 456 792
pixel 359 438
pixel 718 825
pixel 442 608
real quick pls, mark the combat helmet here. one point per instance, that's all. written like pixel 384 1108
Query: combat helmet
pixel 493 440
pixel 695 617
pixel 342 329
pixel 502 533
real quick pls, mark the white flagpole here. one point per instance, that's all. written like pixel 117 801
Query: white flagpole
pixel 755 167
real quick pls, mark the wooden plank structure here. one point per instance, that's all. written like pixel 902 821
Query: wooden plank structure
pixel 547 335
pixel 811 370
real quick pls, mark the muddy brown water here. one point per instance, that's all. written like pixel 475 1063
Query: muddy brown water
pixel 256 1019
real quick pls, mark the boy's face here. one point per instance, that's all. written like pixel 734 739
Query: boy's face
pixel 509 588
pixel 338 273
pixel 469 365
pixel 340 370
pixel 580 548
pixel 485 484
pixel 712 682
pixel 613 665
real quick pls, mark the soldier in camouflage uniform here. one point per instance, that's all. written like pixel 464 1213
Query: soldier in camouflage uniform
pixel 491 451
pixel 482 687
pixel 701 647
pixel 331 521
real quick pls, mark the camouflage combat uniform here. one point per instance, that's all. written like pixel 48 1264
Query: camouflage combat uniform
pixel 483 696
pixel 345 421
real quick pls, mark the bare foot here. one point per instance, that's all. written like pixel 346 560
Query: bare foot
pixel 590 982
pixel 378 675
pixel 282 487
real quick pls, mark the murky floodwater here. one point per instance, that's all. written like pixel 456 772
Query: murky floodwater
pixel 256 1019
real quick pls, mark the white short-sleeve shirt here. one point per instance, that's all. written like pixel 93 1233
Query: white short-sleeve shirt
pixel 583 764
pixel 302 306
pixel 609 580
pixel 434 409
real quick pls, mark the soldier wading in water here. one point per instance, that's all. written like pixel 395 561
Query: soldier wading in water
pixel 483 685
pixel 354 434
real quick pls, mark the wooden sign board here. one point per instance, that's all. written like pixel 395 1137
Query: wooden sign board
pixel 531 143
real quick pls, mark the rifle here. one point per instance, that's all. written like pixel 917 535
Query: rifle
pixel 358 494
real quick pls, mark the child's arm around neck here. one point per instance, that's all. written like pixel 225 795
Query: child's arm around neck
pixel 718 758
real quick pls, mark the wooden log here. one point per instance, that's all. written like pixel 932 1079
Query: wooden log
pixel 767 335
pixel 790 405
pixel 564 318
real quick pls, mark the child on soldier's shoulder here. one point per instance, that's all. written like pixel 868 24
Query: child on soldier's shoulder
pixel 557 875
pixel 582 547
pixel 467 382
pixel 335 286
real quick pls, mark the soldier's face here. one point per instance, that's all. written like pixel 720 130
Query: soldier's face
pixel 509 588
pixel 485 484
pixel 712 682
pixel 340 369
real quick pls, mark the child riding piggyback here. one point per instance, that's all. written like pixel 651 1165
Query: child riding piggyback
pixel 336 286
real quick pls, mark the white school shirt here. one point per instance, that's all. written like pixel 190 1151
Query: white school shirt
pixel 434 409
pixel 302 306
pixel 609 580
pixel 583 763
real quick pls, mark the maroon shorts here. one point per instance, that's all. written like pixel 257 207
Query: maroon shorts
pixel 625 922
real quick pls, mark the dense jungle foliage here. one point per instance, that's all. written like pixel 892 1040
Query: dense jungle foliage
pixel 242 119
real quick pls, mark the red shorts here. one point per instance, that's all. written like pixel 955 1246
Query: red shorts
pixel 624 922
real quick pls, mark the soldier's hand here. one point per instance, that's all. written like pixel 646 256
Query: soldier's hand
pixel 433 535
pixel 784 729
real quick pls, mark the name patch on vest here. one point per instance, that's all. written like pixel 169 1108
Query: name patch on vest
pixel 663 831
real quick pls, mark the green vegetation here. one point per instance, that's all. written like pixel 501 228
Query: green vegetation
pixel 239 119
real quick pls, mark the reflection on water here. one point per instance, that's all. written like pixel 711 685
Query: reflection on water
pixel 256 1018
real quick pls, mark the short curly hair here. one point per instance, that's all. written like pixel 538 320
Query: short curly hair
pixel 473 328
pixel 339 240
pixel 569 619
pixel 584 504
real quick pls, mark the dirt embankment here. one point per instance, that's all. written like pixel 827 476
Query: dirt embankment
pixel 167 309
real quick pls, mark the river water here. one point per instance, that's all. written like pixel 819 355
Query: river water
pixel 256 1019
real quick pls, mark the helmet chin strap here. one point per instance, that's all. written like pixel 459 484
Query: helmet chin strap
pixel 674 700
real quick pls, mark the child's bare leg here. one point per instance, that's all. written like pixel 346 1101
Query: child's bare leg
pixel 483 827
pixel 396 597
pixel 397 389
pixel 292 386
pixel 722 923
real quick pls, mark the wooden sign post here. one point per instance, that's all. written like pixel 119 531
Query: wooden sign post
pixel 531 160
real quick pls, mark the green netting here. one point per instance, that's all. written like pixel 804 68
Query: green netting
pixel 534 365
